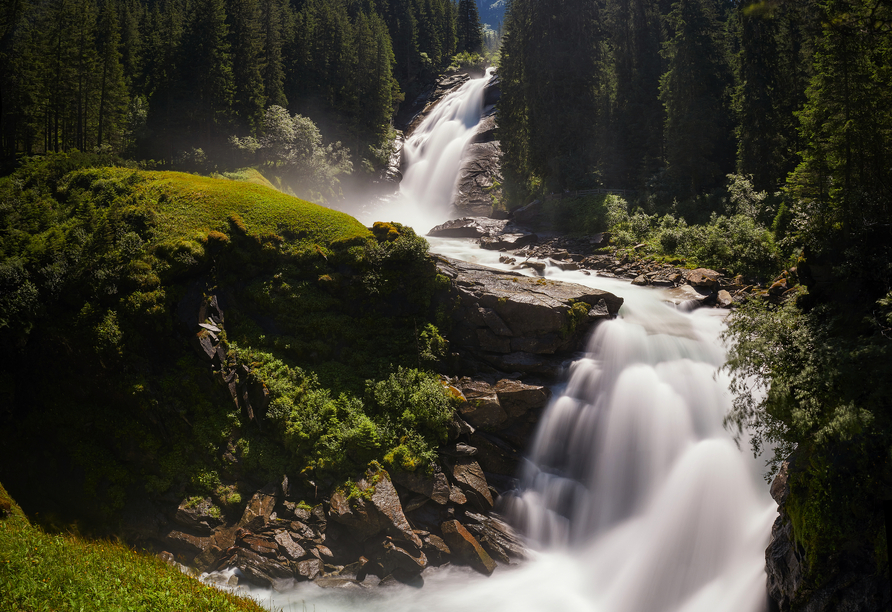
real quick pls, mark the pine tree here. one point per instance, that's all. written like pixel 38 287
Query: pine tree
pixel 637 124
pixel 246 44
pixel 205 74
pixel 113 99
pixel 272 16
pixel 468 28
pixel 694 91
pixel 163 36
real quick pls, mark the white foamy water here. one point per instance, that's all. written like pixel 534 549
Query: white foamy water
pixel 634 497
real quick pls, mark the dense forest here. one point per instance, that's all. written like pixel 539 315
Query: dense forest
pixel 175 80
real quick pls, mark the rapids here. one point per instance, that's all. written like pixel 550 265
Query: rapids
pixel 634 497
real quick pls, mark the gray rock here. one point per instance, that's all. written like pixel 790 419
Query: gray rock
pixel 258 511
pixel 479 172
pixel 288 547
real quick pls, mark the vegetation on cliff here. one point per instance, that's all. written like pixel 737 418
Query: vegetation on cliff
pixel 103 272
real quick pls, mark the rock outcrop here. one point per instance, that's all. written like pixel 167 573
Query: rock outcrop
pixel 850 581
pixel 519 323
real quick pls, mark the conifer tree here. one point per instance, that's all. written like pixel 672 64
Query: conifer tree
pixel 694 91
pixel 468 28
pixel 246 45
pixel 206 84
pixel 272 16
pixel 113 99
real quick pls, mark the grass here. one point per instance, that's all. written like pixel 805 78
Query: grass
pixel 189 207
pixel 40 571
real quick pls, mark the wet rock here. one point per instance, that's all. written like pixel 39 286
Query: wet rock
pixel 382 512
pixel 495 455
pixel 508 241
pixel 259 570
pixel 390 556
pixel 465 547
pixel 434 548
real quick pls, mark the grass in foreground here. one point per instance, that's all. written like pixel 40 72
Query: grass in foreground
pixel 39 571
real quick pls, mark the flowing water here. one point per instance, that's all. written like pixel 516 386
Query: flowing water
pixel 634 497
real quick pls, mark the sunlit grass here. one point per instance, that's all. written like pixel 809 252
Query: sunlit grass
pixel 40 571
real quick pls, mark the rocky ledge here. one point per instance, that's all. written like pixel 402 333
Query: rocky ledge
pixel 520 324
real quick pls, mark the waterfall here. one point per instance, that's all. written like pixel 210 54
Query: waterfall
pixel 432 157
pixel 634 497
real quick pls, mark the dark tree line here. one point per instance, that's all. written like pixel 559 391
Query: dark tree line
pixel 153 78
pixel 666 95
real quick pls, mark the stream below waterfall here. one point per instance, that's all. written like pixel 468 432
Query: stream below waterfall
pixel 634 497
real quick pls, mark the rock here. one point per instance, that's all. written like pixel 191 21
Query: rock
pixel 393 558
pixel 457 497
pixel 201 517
pixel 382 512
pixel 536 309
pixel 258 511
pixel 486 129
pixel 493 91
pixel 465 547
pixel 495 455
pixel 480 171
pixel 497 537
pixel 468 227
pixel 309 569
pixel 517 398
pixel 188 543
pixel 508 242
pixel 468 474
pixel 481 408
pixel 434 487
pixel 435 549
pixel 259 570
pixel 337 582
pixel 458 450
pixel 288 547
pixel 703 277
pixel 528 215
pixel 263 546
pixel 641 280
pixel 724 299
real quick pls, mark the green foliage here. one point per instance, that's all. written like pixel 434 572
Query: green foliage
pixel 43 571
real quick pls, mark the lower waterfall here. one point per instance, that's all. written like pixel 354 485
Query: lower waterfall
pixel 634 498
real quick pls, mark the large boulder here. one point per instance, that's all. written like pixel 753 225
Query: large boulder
pixel 538 316
pixel 469 477
pixel 376 510
pixel 518 398
pixel 468 227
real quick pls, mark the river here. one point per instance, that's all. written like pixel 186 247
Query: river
pixel 634 498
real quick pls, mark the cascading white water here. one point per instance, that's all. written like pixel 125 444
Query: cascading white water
pixel 634 496
pixel 432 158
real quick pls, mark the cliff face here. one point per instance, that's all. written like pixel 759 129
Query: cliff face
pixel 849 580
